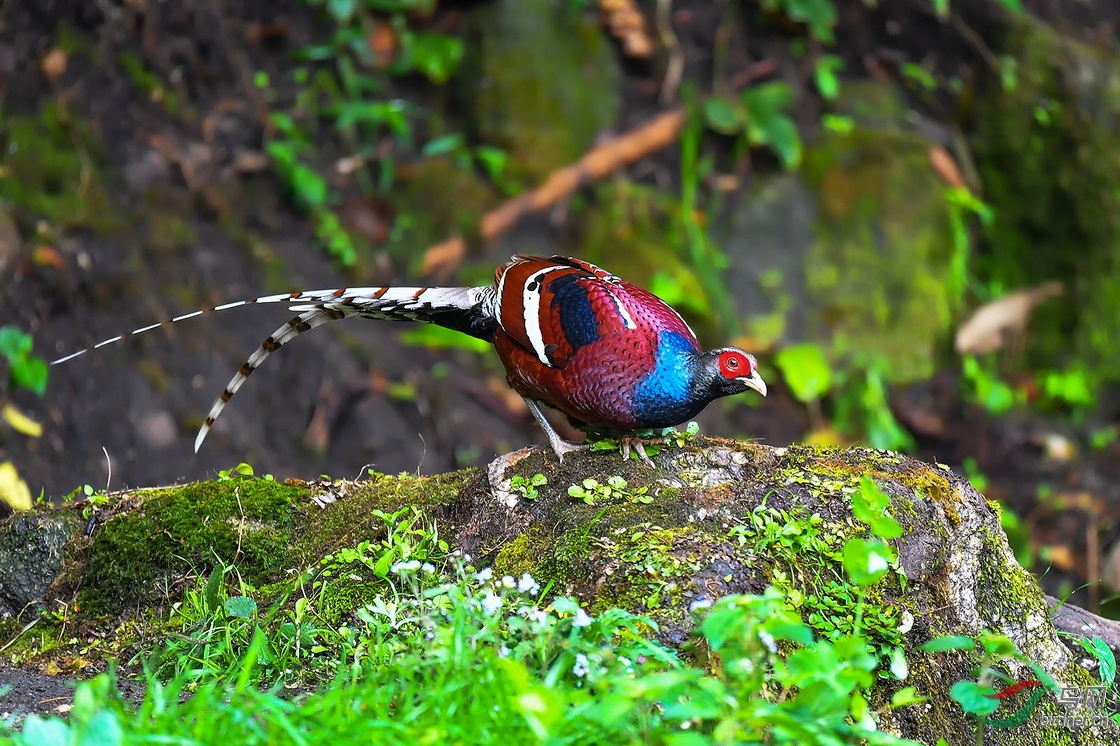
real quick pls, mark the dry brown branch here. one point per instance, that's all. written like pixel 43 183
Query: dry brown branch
pixel 441 259
pixel 659 132
pixel 627 24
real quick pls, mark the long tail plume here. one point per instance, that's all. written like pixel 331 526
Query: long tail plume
pixel 466 309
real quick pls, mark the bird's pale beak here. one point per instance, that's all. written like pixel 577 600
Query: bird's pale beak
pixel 754 381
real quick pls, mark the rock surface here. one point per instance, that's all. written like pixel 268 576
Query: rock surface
pixel 716 517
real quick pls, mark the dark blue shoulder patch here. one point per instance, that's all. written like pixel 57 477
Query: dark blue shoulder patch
pixel 577 319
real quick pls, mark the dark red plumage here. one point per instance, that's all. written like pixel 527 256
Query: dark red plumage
pixel 571 335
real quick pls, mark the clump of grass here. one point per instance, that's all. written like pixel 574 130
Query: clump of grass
pixel 467 657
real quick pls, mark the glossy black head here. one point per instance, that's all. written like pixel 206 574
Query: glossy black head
pixel 728 371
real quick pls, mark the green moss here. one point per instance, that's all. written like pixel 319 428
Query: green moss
pixel 550 83
pixel 50 169
pixel 339 599
pixel 348 523
pixel 149 83
pixel 521 555
pixel 1048 153
pixel 138 555
pixel 879 277
pixel 926 481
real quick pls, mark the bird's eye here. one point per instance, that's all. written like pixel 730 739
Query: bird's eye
pixel 731 364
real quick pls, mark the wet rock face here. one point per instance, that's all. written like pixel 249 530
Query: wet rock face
pixel 855 250
pixel 697 541
pixel 542 83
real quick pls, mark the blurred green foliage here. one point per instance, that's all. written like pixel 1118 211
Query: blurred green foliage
pixel 345 85
pixel 24 368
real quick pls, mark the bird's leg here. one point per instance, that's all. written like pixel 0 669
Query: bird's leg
pixel 638 443
pixel 559 445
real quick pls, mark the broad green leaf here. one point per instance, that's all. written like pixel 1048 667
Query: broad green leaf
pixel 341 10
pixel 434 337
pixel 971 697
pixel 806 370
pixel 723 115
pixel 31 373
pixel 14 344
pixel 445 144
pixel 866 561
pixel 946 643
pixel 241 607
pixel 43 731
pixel 1100 650
pixel 906 696
pixel 104 729
pixel 828 84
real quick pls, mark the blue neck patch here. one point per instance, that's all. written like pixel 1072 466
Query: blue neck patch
pixel 666 394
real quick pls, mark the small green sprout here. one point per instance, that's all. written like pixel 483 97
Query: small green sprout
pixel 527 487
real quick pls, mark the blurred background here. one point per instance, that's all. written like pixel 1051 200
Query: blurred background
pixel 909 210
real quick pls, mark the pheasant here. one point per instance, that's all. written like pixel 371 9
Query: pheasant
pixel 606 353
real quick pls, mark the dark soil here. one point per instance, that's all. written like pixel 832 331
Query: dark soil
pixel 194 229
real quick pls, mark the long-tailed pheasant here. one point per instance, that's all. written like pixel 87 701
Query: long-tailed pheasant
pixel 571 335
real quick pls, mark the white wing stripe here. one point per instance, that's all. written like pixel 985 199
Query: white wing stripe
pixel 532 303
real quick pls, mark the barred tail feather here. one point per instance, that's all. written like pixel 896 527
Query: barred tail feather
pixel 403 304
pixel 295 326
pixel 467 309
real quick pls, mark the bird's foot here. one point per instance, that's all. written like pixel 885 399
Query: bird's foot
pixel 638 443
pixel 561 447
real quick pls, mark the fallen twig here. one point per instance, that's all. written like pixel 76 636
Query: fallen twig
pixel 441 259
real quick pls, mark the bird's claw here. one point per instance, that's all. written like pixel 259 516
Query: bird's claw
pixel 561 447
pixel 639 445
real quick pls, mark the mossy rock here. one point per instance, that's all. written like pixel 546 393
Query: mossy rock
pixel 542 82
pixel 715 517
pixel 1050 163
pixel 879 277
pixel 855 250
pixel 956 576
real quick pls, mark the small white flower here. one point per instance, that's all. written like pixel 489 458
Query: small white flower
pixel 625 661
pixel 491 603
pixel 540 616
pixel 503 652
pixel 403 567
pixel 508 582
pixel 528 585
pixel 484 574
pixel 581 619
pixel 581 667
pixel 768 640
pixel 428 568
